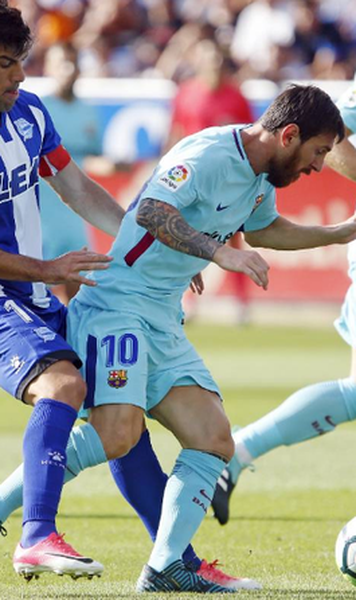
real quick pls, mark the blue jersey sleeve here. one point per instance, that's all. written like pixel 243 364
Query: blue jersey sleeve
pixel 51 138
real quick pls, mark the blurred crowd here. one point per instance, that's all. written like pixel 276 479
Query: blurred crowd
pixel 271 39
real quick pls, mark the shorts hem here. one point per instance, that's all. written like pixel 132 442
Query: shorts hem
pixel 43 364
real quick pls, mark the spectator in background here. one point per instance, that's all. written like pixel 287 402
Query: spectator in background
pixel 106 37
pixel 273 39
pixel 53 21
pixel 63 229
pixel 260 27
pixel 212 98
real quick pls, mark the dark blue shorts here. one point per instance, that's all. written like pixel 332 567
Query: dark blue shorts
pixel 29 344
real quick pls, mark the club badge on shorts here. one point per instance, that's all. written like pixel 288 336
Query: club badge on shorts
pixel 117 379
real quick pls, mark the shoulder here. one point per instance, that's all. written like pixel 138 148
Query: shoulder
pixel 30 107
pixel 29 115
pixel 29 99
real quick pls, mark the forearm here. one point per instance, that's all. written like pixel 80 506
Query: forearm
pixel 343 161
pixel 285 235
pixel 98 208
pixel 88 199
pixel 15 267
pixel 167 225
pixel 342 158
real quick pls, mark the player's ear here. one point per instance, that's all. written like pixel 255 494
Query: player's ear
pixel 289 134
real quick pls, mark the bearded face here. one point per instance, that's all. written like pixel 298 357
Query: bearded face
pixel 287 166
pixel 283 172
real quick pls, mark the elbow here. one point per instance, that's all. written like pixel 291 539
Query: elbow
pixel 141 221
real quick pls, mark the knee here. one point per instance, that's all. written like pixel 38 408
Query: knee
pixel 73 391
pixel 120 444
pixel 222 443
pixel 230 447
pixel 118 435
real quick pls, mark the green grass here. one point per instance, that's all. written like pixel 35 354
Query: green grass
pixel 285 516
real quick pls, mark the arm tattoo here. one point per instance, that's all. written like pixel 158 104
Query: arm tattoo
pixel 167 225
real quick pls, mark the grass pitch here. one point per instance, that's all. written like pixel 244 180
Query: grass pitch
pixel 285 516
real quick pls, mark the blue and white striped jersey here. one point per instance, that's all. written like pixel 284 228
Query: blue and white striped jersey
pixel 27 136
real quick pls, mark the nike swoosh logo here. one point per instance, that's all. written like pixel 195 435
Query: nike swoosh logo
pixel 203 493
pixel 220 207
pixel 76 558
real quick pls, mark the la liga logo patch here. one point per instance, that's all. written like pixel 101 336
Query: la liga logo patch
pixel 178 174
pixel 175 177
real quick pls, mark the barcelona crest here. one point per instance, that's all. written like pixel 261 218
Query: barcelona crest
pixel 117 379
pixel 258 201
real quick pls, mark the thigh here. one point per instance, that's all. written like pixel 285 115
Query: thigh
pixel 173 361
pixel 27 347
pixel 197 418
pixel 60 381
pixel 114 353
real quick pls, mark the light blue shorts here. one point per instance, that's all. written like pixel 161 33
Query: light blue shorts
pixel 126 361
pixel 346 322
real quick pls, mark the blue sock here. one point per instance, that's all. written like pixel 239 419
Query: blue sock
pixel 187 497
pixel 84 450
pixel 309 412
pixel 141 481
pixel 44 449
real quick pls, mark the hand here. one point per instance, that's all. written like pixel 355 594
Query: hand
pixel 197 284
pixel 243 261
pixel 69 266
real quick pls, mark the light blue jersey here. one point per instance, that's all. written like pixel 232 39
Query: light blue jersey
pixel 346 323
pixel 128 329
pixel 209 179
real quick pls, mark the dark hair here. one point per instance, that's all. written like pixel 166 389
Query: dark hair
pixel 14 33
pixel 307 106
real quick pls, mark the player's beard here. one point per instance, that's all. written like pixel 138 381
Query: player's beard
pixel 6 105
pixel 283 173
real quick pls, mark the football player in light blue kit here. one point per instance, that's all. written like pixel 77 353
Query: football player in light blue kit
pixel 315 409
pixel 147 363
pixel 128 330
